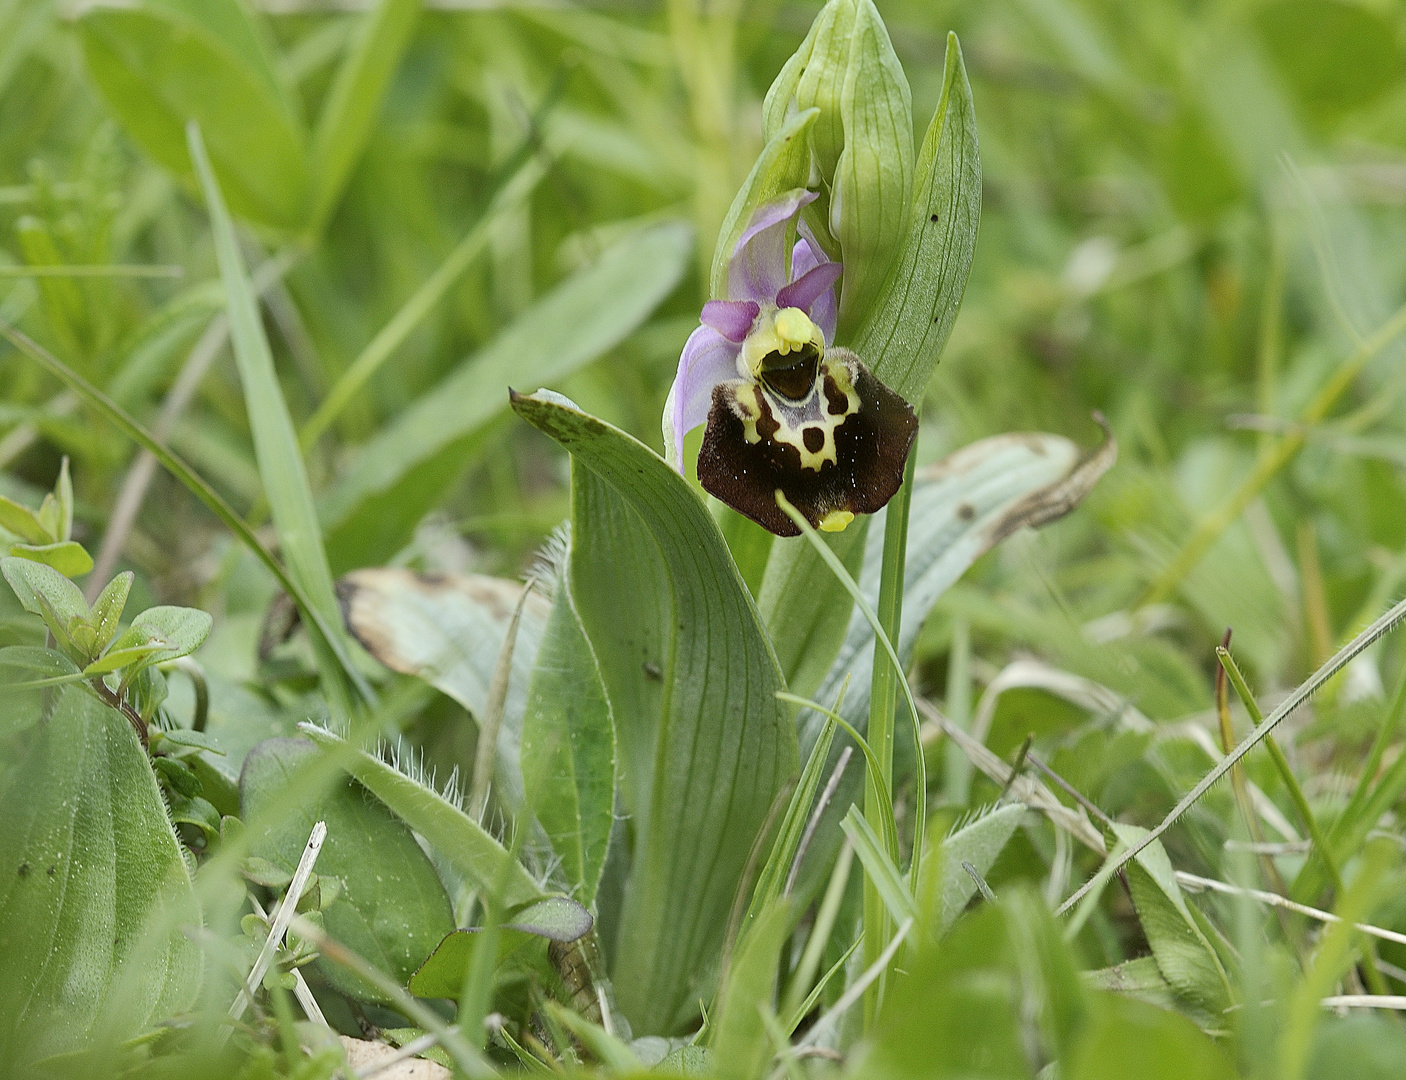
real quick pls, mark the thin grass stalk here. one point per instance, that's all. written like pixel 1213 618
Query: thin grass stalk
pixel 1300 801
pixel 1340 660
pixel 883 704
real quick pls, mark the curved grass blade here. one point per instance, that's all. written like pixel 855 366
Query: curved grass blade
pixel 197 486
pixel 1340 660
pixel 281 467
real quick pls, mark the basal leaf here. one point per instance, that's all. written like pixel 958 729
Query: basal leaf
pixel 392 909
pixel 568 748
pixel 691 681
pixel 93 889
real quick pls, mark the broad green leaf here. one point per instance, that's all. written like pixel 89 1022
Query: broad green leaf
pixel 448 630
pixel 1159 1044
pixel 979 842
pixel 402 472
pixel 355 98
pixel 741 1043
pixel 161 63
pixel 21 521
pixel 94 890
pixel 392 909
pixel 69 557
pixel 182 630
pixel 28 665
pixel 281 467
pixel 450 831
pixel 568 748
pixel 691 680
pixel 915 308
pixel 1184 955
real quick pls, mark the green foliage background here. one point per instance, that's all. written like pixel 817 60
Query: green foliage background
pixel 1193 219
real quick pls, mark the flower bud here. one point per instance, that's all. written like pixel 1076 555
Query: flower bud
pixel 861 142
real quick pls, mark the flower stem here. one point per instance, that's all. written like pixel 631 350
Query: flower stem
pixel 883 703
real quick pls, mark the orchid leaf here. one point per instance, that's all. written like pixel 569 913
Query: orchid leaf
pixel 568 748
pixel 915 308
pixel 691 680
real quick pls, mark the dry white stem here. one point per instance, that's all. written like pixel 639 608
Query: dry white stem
pixel 281 918
pixel 303 992
pixel 1196 882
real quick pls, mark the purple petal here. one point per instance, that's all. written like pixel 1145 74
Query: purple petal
pixel 758 267
pixel 733 319
pixel 809 287
pixel 807 257
pixel 707 359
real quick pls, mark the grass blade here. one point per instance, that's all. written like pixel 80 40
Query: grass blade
pixel 1340 660
pixel 194 483
pixel 355 98
pixel 285 478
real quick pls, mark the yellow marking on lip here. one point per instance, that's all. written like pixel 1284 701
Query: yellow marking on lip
pixel 836 521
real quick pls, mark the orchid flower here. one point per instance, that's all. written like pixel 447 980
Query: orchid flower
pixel 785 409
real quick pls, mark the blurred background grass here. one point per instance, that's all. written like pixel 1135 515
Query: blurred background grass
pixel 1193 222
